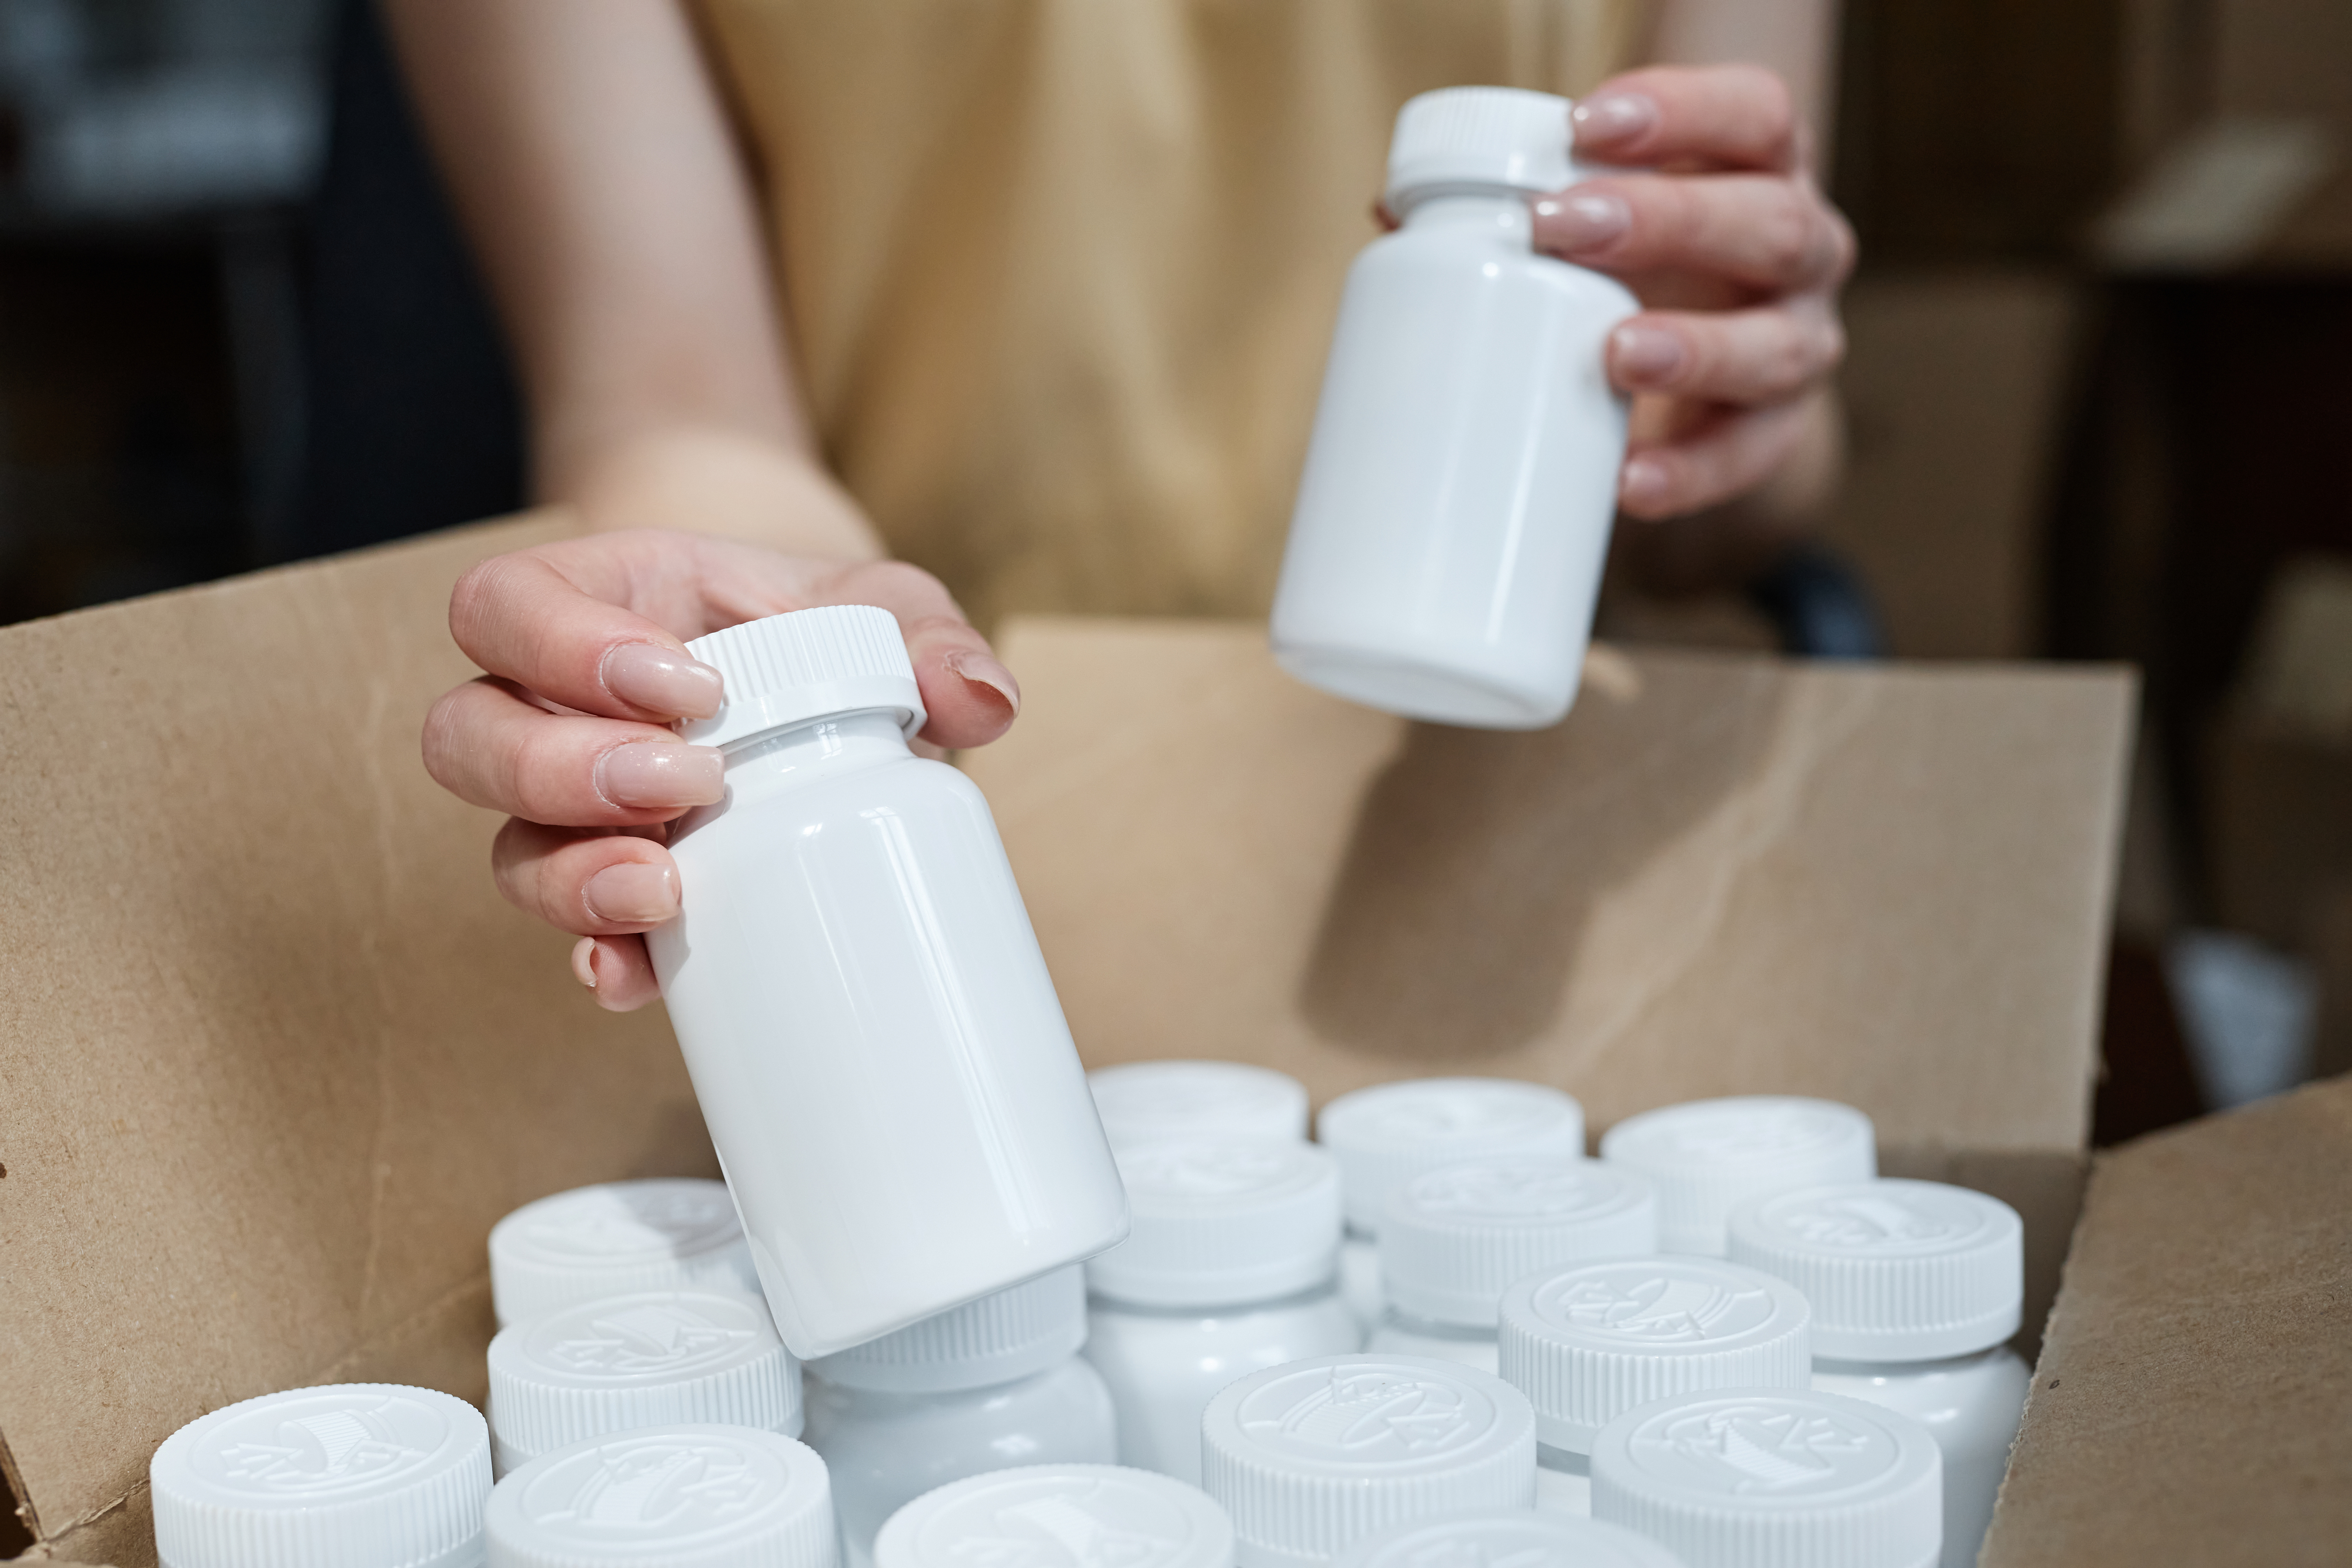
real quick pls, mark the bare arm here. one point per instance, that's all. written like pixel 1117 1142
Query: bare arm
pixel 590 162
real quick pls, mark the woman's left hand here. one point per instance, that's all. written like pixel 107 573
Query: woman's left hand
pixel 1718 225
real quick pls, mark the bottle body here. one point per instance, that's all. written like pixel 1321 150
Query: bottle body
pixel 1401 1333
pixel 1563 1481
pixel 1359 1277
pixel 873 1039
pixel 1971 1404
pixel 885 1450
pixel 1163 1364
pixel 1456 502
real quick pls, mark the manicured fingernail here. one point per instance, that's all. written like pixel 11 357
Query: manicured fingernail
pixel 632 893
pixel 655 678
pixel 654 772
pixel 983 671
pixel 583 962
pixel 1644 482
pixel 1645 354
pixel 1613 118
pixel 1580 222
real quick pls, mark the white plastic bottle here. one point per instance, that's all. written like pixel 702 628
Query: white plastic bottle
pixel 1231 1267
pixel 1520 1537
pixel 1388 1133
pixel 995 1382
pixel 1083 1516
pixel 615 1239
pixel 1456 502
pixel 879 1052
pixel 1455 1239
pixel 1310 1458
pixel 704 1495
pixel 1744 1476
pixel 1708 1157
pixel 1143 1101
pixel 1916 1288
pixel 1588 1343
pixel 654 1359
pixel 360 1475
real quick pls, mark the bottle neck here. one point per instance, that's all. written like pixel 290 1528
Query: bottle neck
pixel 1501 216
pixel 780 759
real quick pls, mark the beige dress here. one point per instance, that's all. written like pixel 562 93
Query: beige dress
pixel 1060 274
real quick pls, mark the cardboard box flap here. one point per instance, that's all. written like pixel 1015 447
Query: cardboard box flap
pixel 2194 1403
pixel 273 1052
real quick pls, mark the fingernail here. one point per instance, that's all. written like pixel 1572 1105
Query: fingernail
pixel 1644 482
pixel 1580 222
pixel 983 671
pixel 632 893
pixel 1612 118
pixel 1645 354
pixel 661 681
pixel 654 773
pixel 583 962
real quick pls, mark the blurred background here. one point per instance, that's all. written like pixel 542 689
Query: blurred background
pixel 2098 398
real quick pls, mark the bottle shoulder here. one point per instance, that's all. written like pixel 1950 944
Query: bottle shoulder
pixel 1470 256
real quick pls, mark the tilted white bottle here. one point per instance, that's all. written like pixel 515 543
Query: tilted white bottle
pixel 877 1049
pixel 1916 1288
pixel 1458 493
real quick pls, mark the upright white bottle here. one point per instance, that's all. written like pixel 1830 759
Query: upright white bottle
pixel 1231 1267
pixel 994 1384
pixel 1456 502
pixel 615 1239
pixel 876 1047
pixel 1708 1157
pixel 1916 1288
pixel 1143 1101
pixel 694 1495
pixel 1040 1516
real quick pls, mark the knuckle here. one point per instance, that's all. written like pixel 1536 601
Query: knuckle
pixel 1785 235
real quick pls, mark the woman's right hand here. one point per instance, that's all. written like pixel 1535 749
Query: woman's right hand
pixel 568 732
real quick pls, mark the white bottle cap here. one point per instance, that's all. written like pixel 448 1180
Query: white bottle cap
pixel 1478 138
pixel 1221 1222
pixel 1388 1133
pixel 1586 1344
pixel 1454 1239
pixel 1896 1270
pixel 649 1360
pixel 614 1239
pixel 1059 1515
pixel 1142 1102
pixel 1711 1155
pixel 1520 1537
pixel 1009 1334
pixel 691 1496
pixel 1766 1475
pixel 368 1475
pixel 1312 1455
pixel 790 668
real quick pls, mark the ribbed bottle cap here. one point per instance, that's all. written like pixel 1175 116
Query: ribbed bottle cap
pixel 1478 138
pixel 1519 1537
pixel 1586 1344
pixel 1059 1515
pixel 1221 1222
pixel 1711 1155
pixel 1312 1455
pixel 1142 1102
pixel 648 1359
pixel 692 1496
pixel 1392 1131
pixel 790 668
pixel 611 1240
pixel 1770 1476
pixel 1454 1239
pixel 1010 1334
pixel 368 1475
pixel 1896 1270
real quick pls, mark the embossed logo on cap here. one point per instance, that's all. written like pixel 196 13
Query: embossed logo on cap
pixel 643 1337
pixel 1652 1306
pixel 1752 1447
pixel 335 1443
pixel 619 1223
pixel 1203 1170
pixel 1080 1528
pixel 1732 1135
pixel 1876 1221
pixel 655 1483
pixel 1558 1191
pixel 1367 1412
pixel 1432 1113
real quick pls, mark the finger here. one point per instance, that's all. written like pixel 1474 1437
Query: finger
pixel 484 743
pixel 1730 356
pixel 969 695
pixel 1762 231
pixel 523 617
pixel 618 969
pixel 588 883
pixel 1719 459
pixel 1729 117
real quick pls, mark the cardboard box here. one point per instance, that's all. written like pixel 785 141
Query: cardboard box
pixel 273 1056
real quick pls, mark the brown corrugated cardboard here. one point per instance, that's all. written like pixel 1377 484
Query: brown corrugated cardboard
pixel 2193 1402
pixel 273 1054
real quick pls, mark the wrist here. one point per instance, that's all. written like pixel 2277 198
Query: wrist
pixel 706 480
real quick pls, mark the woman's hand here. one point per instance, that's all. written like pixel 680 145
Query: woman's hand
pixel 568 733
pixel 1738 258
